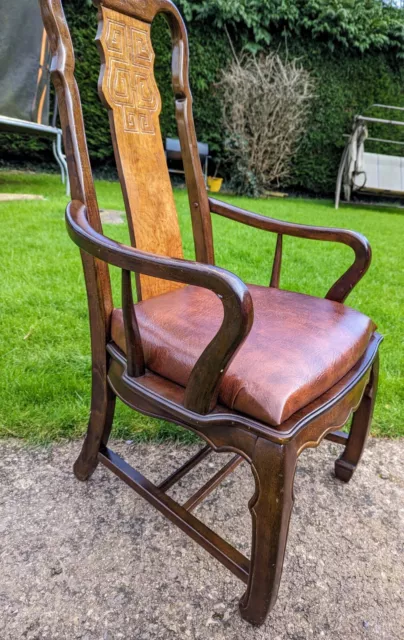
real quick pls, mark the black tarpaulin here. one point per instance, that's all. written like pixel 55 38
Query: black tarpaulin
pixel 24 62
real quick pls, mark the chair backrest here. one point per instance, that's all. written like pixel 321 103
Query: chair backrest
pixel 128 89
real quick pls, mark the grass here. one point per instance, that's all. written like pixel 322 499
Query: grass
pixel 44 340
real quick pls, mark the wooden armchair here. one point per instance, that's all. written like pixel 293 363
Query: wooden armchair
pixel 254 370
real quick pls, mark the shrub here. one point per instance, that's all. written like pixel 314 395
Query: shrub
pixel 265 106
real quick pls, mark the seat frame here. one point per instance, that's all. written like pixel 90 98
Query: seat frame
pixel 272 452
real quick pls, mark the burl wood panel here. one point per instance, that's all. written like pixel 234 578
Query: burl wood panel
pixel 128 88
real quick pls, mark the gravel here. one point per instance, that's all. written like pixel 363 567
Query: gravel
pixel 94 561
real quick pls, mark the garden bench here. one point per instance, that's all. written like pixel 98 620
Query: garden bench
pixel 173 154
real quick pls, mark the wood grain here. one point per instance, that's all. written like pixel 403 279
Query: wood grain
pixel 128 88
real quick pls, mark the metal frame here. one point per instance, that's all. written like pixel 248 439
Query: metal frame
pixel 358 120
pixel 15 125
pixel 180 515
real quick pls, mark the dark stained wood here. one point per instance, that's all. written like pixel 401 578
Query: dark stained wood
pixel 135 355
pixel 164 399
pixel 274 469
pixel 344 285
pixel 99 427
pixel 214 544
pixel 185 468
pixel 339 437
pixel 276 267
pixel 362 419
pixel 211 484
pixel 156 260
pixel 336 415
pixel 82 188
pixel 203 385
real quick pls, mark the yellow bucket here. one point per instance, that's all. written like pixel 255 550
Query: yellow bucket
pixel 215 184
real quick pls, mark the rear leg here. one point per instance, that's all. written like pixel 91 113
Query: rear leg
pixel 362 419
pixel 99 428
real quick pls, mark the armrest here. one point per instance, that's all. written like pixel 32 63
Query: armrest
pixel 344 285
pixel 203 384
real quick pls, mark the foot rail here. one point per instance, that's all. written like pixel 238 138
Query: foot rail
pixel 219 548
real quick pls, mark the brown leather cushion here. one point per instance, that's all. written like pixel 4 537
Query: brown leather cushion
pixel 298 348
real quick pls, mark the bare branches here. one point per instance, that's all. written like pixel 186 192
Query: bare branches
pixel 265 107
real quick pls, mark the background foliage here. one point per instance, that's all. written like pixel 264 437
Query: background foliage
pixel 354 50
pixel 266 101
pixel 353 24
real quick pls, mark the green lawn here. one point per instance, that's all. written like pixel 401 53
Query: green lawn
pixel 44 339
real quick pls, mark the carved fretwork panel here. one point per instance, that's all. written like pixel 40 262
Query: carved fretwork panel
pixel 128 88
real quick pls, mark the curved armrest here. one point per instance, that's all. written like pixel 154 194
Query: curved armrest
pixel 203 384
pixel 344 285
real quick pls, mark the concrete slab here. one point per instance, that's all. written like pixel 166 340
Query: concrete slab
pixel 94 561
pixel 8 197
pixel 112 216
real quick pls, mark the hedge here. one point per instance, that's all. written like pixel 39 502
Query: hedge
pixel 348 80
pixel 345 85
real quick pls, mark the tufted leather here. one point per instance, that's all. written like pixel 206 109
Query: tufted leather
pixel 298 348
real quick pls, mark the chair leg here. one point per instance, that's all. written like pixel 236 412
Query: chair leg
pixel 361 421
pixel 99 428
pixel 271 506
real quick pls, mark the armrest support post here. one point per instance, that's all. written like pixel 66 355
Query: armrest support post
pixel 277 263
pixel 134 348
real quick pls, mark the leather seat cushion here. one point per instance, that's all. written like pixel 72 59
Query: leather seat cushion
pixel 298 348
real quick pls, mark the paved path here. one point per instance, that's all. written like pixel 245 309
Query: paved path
pixel 9 197
pixel 93 561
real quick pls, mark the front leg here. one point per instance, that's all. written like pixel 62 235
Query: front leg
pixel 271 506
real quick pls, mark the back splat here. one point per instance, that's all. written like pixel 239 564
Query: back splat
pixel 128 89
